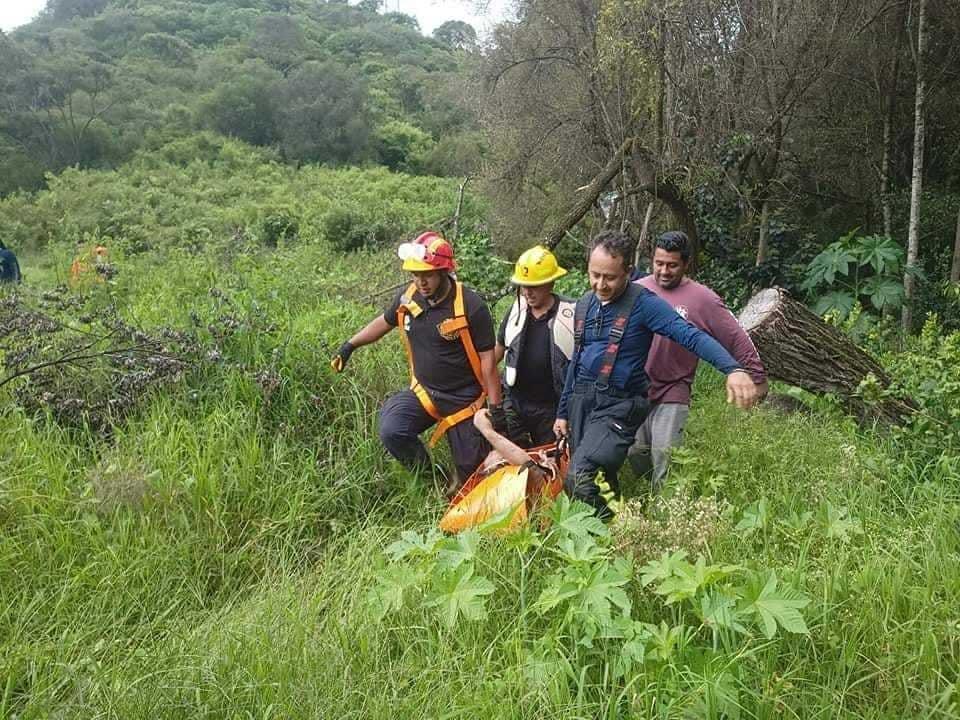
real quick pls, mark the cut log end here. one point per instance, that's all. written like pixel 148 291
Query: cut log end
pixel 759 308
pixel 799 348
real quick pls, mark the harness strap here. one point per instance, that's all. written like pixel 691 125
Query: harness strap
pixel 579 321
pixel 459 324
pixel 623 307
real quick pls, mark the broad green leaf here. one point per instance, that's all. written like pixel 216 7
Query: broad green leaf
pixel 881 253
pixel 456 550
pixel 666 640
pixel 837 300
pixel 824 268
pixel 663 568
pixel 558 590
pixel 389 593
pixel 604 591
pixel 413 544
pixel 797 521
pixel 581 549
pixel 773 607
pixel 719 611
pixel 500 522
pixel 689 579
pixel 884 292
pixel 459 593
pixel 755 517
pixel 633 652
pixel 838 525
pixel 575 518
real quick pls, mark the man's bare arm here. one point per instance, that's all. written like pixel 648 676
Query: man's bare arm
pixel 512 453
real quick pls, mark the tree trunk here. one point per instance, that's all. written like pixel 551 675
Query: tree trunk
pixel 644 246
pixel 455 233
pixel 889 108
pixel 590 194
pixel 645 172
pixel 763 246
pixel 913 237
pixel 799 348
pixel 955 267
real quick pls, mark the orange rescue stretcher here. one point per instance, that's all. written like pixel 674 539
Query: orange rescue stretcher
pixel 498 487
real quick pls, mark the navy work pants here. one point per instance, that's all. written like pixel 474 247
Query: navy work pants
pixel 602 426
pixel 402 419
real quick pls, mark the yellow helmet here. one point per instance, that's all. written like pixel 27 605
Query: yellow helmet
pixel 536 266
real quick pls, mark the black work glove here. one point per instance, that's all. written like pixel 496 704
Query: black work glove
pixel 498 418
pixel 339 361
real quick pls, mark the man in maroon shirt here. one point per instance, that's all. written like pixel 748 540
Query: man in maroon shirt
pixel 671 367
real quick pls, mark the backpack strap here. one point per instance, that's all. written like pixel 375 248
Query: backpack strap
pixel 623 307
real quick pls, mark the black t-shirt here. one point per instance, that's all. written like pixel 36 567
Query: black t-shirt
pixel 442 364
pixel 534 366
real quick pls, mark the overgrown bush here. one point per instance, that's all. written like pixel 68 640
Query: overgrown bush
pixel 928 370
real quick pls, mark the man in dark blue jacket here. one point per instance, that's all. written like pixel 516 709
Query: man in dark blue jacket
pixel 604 398
pixel 9 267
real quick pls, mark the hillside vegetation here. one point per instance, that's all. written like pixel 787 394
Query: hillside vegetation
pixel 91 80
pixel 220 548
pixel 197 518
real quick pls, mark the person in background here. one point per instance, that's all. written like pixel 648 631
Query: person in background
pixel 9 267
pixel 447 333
pixel 604 398
pixel 535 340
pixel 671 367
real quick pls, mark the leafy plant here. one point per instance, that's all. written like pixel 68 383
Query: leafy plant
pixel 585 609
pixel 856 268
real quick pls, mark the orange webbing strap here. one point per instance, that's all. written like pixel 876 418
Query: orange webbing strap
pixel 401 312
pixel 459 311
pixel 458 417
pixel 457 323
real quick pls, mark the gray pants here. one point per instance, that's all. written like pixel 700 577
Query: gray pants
pixel 662 430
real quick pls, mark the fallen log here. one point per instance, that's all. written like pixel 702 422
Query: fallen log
pixel 799 348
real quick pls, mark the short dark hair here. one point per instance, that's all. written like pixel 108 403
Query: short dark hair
pixel 675 241
pixel 615 244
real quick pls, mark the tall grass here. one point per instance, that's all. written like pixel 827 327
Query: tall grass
pixel 213 557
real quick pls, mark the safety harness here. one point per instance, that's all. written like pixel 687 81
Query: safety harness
pixel 623 307
pixel 457 325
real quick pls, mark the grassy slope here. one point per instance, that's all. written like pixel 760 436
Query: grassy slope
pixel 235 587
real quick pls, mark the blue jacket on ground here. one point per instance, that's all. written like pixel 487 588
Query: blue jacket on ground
pixel 650 315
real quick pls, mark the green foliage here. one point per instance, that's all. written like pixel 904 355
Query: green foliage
pixel 586 602
pixel 928 371
pixel 402 147
pixel 205 190
pixel 479 266
pixel 91 81
pixel 857 268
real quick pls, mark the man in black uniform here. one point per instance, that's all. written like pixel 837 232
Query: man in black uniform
pixel 536 341
pixel 447 332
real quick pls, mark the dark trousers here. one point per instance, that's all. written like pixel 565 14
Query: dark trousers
pixel 602 425
pixel 529 423
pixel 402 419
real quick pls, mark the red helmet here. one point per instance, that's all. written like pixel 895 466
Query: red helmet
pixel 428 252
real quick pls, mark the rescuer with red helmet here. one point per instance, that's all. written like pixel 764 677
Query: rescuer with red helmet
pixel 447 333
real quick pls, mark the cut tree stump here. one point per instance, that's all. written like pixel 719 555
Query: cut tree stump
pixel 799 348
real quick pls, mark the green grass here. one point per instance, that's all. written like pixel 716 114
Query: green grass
pixel 214 556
